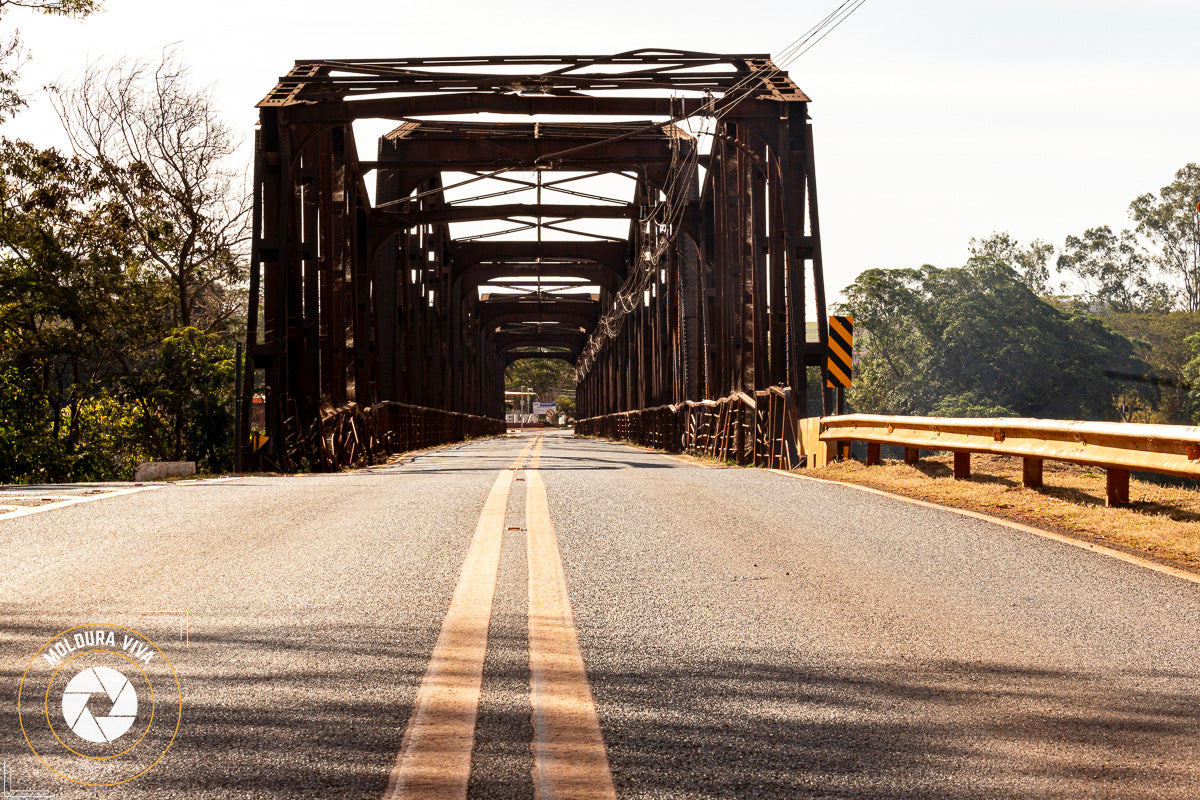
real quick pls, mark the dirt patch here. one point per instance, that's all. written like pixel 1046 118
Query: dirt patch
pixel 1161 522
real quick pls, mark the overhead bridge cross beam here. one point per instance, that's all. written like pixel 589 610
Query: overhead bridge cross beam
pixel 474 213
pixel 666 241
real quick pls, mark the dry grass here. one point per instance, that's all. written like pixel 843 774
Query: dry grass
pixel 1161 522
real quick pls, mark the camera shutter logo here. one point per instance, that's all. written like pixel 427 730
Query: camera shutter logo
pixel 102 683
pixel 101 677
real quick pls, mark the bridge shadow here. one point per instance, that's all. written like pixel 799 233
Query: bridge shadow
pixel 940 730
pixel 268 713
pixel 272 714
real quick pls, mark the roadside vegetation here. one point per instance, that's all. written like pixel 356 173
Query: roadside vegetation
pixel 121 268
pixel 1105 327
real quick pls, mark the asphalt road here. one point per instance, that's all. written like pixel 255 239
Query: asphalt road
pixel 745 634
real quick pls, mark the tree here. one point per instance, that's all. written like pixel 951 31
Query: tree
pixel 1114 271
pixel 976 340
pixel 102 256
pixel 886 307
pixel 62 8
pixel 189 393
pixel 1191 373
pixel 166 157
pixel 1030 263
pixel 548 377
pixel 1161 340
pixel 74 307
pixel 566 405
pixel 12 54
pixel 1171 221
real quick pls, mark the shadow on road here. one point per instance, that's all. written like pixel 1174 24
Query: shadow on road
pixel 739 729
pixel 295 714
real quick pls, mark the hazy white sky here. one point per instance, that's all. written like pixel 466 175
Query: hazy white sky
pixel 935 120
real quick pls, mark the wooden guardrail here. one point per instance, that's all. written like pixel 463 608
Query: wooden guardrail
pixel 1118 448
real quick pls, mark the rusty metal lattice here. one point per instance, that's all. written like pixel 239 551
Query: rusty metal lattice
pixel 369 285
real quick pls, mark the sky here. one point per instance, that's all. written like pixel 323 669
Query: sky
pixel 934 121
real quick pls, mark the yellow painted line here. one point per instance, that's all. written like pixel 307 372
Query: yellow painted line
pixel 516 464
pixel 434 762
pixel 537 453
pixel 1082 544
pixel 570 762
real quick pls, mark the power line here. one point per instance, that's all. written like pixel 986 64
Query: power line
pixel 632 292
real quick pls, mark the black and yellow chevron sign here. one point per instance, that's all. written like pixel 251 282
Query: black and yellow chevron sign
pixel 840 364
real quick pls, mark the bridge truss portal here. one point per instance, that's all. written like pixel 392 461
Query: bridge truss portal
pixel 649 216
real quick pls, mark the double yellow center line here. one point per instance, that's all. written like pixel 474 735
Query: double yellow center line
pixel 570 761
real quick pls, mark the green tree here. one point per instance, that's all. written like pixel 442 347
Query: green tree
pixel 1031 264
pixel 566 405
pixel 1170 220
pixel 977 340
pixel 1191 374
pixel 886 305
pixel 548 377
pixel 188 393
pixel 100 260
pixel 1114 271
pixel 29 451
pixel 1161 340
pixel 74 307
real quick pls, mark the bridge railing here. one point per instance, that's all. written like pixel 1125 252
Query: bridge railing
pixel 352 434
pixel 762 430
pixel 1118 448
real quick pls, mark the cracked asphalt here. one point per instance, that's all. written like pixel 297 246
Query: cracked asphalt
pixel 746 634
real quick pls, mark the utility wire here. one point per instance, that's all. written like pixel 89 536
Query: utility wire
pixel 661 224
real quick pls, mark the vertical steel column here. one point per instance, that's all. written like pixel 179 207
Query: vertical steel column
pixel 757 261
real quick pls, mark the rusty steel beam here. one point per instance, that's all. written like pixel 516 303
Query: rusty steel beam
pixel 571 340
pixel 473 213
pixel 519 355
pixel 613 255
pixel 646 69
pixel 561 309
pixel 464 146
pixel 598 274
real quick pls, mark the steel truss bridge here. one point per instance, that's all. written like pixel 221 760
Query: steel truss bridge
pixel 650 216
